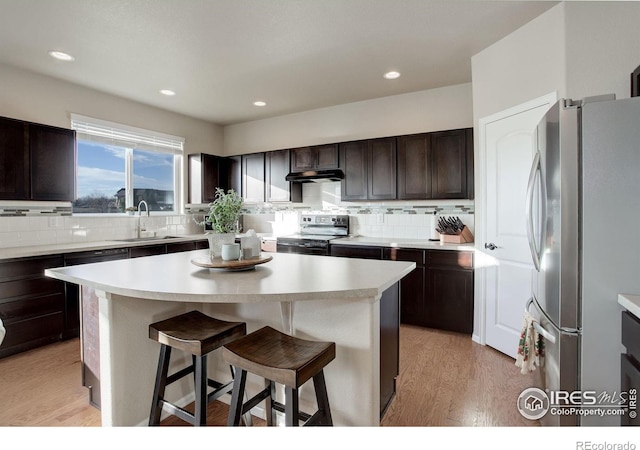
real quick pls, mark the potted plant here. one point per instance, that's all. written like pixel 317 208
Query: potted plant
pixel 224 218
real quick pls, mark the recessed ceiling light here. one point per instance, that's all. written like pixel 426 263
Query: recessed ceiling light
pixel 61 55
pixel 392 75
pixel 167 92
pixel 260 103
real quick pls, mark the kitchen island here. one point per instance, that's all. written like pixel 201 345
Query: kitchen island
pixel 311 297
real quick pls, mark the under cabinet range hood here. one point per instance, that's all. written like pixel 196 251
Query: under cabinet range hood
pixel 317 176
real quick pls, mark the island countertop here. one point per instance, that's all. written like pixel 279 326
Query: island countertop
pixel 288 277
pixel 352 302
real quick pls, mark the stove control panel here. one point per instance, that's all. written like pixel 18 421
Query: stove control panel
pixel 324 219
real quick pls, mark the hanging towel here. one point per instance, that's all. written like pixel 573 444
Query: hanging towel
pixel 530 347
pixel 2 331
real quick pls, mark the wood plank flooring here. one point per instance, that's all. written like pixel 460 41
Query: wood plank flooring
pixel 445 380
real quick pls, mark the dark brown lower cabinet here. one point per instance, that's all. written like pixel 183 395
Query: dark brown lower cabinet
pixel 438 293
pixel 31 305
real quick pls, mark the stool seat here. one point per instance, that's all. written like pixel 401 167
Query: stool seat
pixel 195 332
pixel 279 357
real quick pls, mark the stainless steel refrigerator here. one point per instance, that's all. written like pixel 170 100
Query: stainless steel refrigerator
pixel 583 210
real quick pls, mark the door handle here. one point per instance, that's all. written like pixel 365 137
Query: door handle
pixel 490 246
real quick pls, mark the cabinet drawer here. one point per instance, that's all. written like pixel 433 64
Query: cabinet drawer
pixel 33 286
pixel 181 247
pixel 31 333
pixel 28 267
pixel 356 251
pixel 462 260
pixel 631 334
pixel 20 309
pixel 149 250
pixel 405 254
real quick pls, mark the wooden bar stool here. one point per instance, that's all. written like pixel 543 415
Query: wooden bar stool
pixel 197 334
pixel 284 359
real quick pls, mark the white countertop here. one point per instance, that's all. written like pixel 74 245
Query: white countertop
pixel 631 303
pixel 402 243
pixel 70 247
pixel 288 277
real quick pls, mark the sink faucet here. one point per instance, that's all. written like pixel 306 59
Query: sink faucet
pixel 146 208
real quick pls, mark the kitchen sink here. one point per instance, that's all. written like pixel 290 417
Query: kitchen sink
pixel 150 238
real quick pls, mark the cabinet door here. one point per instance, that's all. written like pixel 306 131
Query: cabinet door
pixel 53 163
pixel 253 177
pixel 278 189
pixel 449 164
pixel 302 159
pixel 354 158
pixel 382 169
pixel 450 299
pixel 326 156
pixel 147 250
pixel 206 173
pixel 234 168
pixel 413 304
pixel 14 160
pixel 414 167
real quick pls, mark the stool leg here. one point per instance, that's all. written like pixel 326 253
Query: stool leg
pixel 270 413
pixel 291 408
pixel 322 398
pixel 160 385
pixel 247 419
pixel 201 391
pixel 235 408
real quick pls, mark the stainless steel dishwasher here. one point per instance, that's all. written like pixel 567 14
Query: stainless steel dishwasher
pixel 81 317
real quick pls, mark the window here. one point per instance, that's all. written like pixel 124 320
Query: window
pixel 119 166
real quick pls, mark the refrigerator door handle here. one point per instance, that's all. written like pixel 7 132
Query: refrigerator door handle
pixel 562 330
pixel 536 250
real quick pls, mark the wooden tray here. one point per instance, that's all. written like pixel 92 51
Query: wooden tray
pixel 221 264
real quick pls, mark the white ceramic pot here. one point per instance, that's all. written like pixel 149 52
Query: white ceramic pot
pixel 216 240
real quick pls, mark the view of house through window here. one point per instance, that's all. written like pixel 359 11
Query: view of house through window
pixel 118 168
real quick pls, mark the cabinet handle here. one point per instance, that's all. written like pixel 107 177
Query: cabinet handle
pixel 490 246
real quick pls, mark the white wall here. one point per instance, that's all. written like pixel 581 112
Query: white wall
pixel 602 47
pixel 36 98
pixel 431 110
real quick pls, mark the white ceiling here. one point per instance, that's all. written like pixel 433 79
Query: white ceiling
pixel 222 55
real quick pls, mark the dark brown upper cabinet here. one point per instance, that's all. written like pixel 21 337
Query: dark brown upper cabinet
pixel 278 164
pixel 206 173
pixel 436 165
pixel 318 157
pixel 369 169
pixel 37 162
pixel 449 164
pixel 253 177
pixel 414 167
pixel 14 160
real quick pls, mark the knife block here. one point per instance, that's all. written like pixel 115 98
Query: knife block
pixel 464 236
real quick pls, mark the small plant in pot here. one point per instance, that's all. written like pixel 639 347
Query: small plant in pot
pixel 224 218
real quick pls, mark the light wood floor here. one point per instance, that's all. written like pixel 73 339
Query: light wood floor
pixel 445 380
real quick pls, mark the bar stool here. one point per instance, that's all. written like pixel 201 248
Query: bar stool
pixel 284 359
pixel 197 334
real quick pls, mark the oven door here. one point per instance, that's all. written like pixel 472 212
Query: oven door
pixel 301 247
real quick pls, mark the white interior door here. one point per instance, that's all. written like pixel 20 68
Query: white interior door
pixel 508 145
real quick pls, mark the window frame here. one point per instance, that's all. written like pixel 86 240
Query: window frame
pixel 111 133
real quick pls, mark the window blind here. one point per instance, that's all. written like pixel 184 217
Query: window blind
pixel 97 130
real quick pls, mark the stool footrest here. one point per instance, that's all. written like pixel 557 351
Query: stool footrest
pixel 219 391
pixel 253 401
pixel 177 411
pixel 180 374
pixel 301 415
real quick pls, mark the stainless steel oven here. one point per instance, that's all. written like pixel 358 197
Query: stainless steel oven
pixel 316 232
